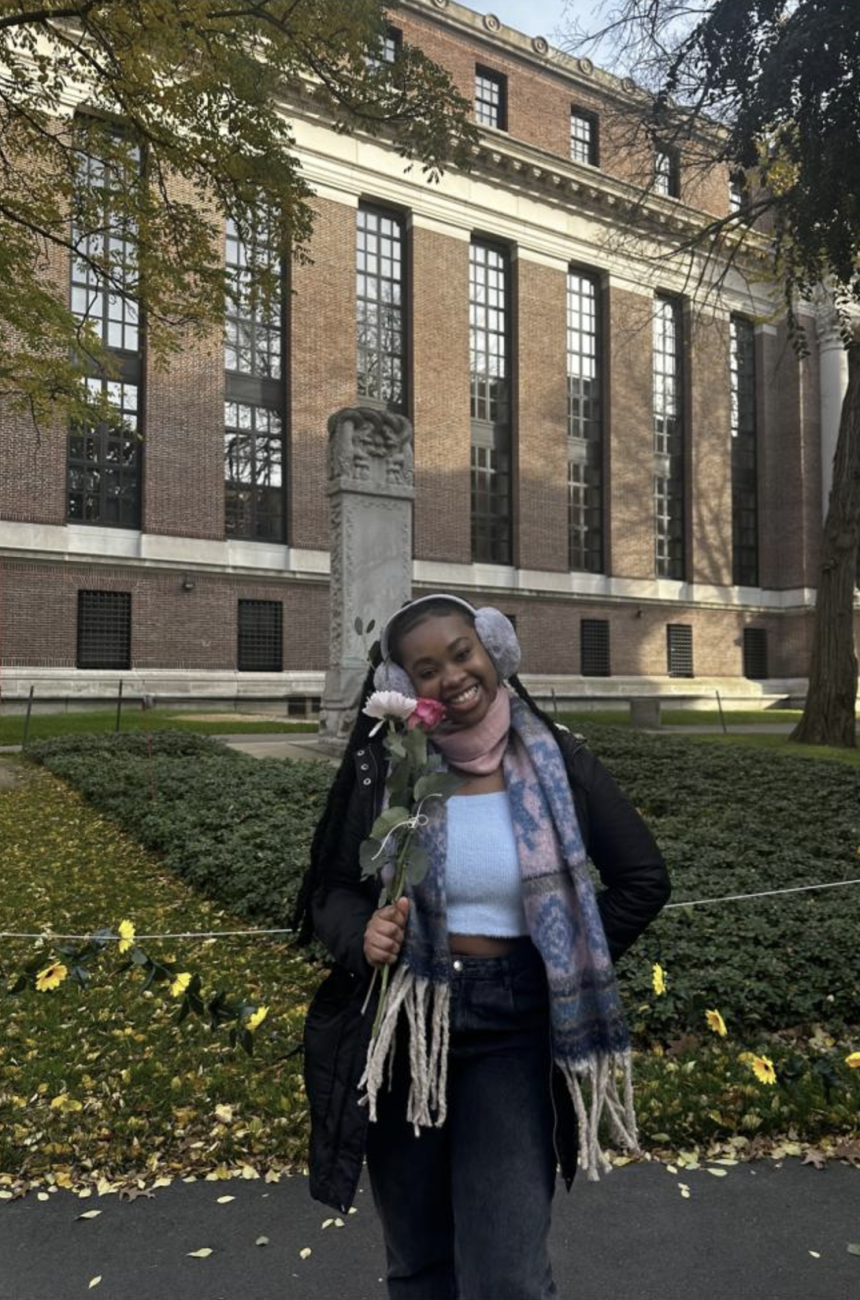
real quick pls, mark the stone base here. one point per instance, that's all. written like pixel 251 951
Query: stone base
pixel 339 707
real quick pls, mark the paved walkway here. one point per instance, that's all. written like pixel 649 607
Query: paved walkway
pixel 301 745
pixel 749 1235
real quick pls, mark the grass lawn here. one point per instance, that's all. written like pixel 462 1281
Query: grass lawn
pixel 681 717
pixel 102 1086
pixel 45 726
pixel 102 1083
pixel 782 745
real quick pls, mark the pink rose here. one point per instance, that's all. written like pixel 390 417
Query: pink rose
pixel 427 714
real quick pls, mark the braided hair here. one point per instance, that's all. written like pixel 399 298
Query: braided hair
pixel 331 819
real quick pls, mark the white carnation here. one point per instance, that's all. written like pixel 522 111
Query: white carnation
pixel 387 705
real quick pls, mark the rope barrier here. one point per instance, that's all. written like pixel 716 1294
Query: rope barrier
pixel 230 934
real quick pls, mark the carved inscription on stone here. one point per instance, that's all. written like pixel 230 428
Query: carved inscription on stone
pixel 370 447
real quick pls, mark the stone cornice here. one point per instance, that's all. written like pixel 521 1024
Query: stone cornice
pixel 579 72
pixel 523 168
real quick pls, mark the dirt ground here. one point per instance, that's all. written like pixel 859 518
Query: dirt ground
pixel 11 773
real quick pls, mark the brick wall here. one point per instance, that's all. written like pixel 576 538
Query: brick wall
pixel 789 463
pixel 183 426
pixel 171 627
pixel 539 102
pixel 439 330
pixel 549 632
pixel 630 460
pixel 709 494
pixel 33 460
pixel 540 416
pixel 322 364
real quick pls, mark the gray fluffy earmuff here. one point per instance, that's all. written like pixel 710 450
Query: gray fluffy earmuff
pixel 495 630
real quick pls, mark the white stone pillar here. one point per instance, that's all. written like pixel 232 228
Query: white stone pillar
pixel 371 490
pixel 833 383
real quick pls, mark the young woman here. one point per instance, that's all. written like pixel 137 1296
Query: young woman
pixel 504 972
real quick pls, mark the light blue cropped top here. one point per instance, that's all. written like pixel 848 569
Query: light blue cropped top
pixel 482 870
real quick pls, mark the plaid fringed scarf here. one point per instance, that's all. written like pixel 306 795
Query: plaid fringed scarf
pixel 589 1033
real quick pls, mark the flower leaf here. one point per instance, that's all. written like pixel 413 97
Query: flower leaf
pixel 417 864
pixel 441 784
pixel 387 820
pixel 415 743
pixel 371 864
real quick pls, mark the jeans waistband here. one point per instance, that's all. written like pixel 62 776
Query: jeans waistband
pixel 523 956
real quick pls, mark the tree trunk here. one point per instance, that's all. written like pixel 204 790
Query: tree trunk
pixel 829 715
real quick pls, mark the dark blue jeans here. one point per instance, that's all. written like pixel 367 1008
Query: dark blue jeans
pixel 466 1208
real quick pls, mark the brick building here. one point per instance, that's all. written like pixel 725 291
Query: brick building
pixel 634 470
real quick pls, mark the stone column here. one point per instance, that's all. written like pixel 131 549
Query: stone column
pixel 833 383
pixel 370 489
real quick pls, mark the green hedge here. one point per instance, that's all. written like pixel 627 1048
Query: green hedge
pixel 235 827
pixel 728 820
pixel 733 821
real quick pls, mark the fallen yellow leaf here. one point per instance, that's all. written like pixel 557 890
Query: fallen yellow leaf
pixel 203 1253
pixel 94 1281
pixel 306 1253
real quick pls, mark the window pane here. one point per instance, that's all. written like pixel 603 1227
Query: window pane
pixel 583 133
pixel 260 648
pixel 679 650
pixel 668 440
pixel 379 312
pixel 594 647
pixel 104 272
pixel 104 629
pixel 253 473
pixel 104 463
pixel 253 342
pixel 490 98
pixel 744 454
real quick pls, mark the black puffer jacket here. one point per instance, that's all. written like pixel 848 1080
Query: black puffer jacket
pixel 636 886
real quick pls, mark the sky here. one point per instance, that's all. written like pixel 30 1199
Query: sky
pixel 537 17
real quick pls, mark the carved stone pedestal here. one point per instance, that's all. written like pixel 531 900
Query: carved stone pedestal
pixel 371 489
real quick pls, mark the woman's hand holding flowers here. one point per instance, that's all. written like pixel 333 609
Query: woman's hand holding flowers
pixel 385 932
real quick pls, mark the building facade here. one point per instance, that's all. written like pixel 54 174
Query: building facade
pixel 631 466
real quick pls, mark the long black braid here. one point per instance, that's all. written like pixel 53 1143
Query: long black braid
pixel 533 705
pixel 330 824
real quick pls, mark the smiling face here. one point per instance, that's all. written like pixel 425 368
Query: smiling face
pixel 446 661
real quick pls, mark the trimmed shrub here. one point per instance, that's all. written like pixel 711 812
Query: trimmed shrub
pixel 729 821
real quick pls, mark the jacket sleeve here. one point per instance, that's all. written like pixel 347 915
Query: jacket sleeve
pixel 343 903
pixel 622 848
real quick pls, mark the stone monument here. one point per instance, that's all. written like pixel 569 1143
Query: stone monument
pixel 371 490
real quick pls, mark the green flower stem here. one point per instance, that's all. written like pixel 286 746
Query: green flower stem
pixel 396 892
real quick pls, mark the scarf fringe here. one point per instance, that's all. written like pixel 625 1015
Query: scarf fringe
pixel 601 1072
pixel 422 1002
pixel 426 1004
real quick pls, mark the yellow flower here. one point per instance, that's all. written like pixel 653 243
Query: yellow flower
pixel 126 936
pixel 658 979
pixel 51 977
pixel 762 1068
pixel 180 984
pixel 256 1018
pixel 716 1022
pixel 853 1060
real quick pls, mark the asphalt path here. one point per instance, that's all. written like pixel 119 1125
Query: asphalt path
pixel 747 1235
